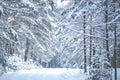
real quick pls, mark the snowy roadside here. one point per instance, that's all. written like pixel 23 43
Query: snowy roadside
pixel 48 74
pixel 45 74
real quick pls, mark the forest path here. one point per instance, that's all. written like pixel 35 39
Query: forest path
pixel 45 74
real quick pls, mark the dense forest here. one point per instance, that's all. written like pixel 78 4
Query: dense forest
pixel 82 34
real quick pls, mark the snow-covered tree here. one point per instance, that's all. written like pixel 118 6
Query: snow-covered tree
pixel 26 30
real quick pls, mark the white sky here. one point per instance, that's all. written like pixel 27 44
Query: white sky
pixel 63 3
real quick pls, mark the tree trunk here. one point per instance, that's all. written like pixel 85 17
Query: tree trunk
pixel 94 39
pixel 90 39
pixel 115 53
pixel 84 31
pixel 90 55
pixel 115 45
pixel 27 48
pixel 106 28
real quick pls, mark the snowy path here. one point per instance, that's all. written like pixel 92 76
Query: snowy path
pixel 45 74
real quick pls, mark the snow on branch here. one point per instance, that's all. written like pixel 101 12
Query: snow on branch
pixel 86 34
pixel 110 22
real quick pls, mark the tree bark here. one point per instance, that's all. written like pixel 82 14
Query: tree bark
pixel 115 54
pixel 106 28
pixel 84 31
pixel 115 45
pixel 27 48
pixel 94 39
pixel 90 39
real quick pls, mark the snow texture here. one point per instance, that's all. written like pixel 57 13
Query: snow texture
pixel 45 74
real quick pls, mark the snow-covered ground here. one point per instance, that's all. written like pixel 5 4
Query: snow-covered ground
pixel 45 74
pixel 48 74
pixel 118 74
